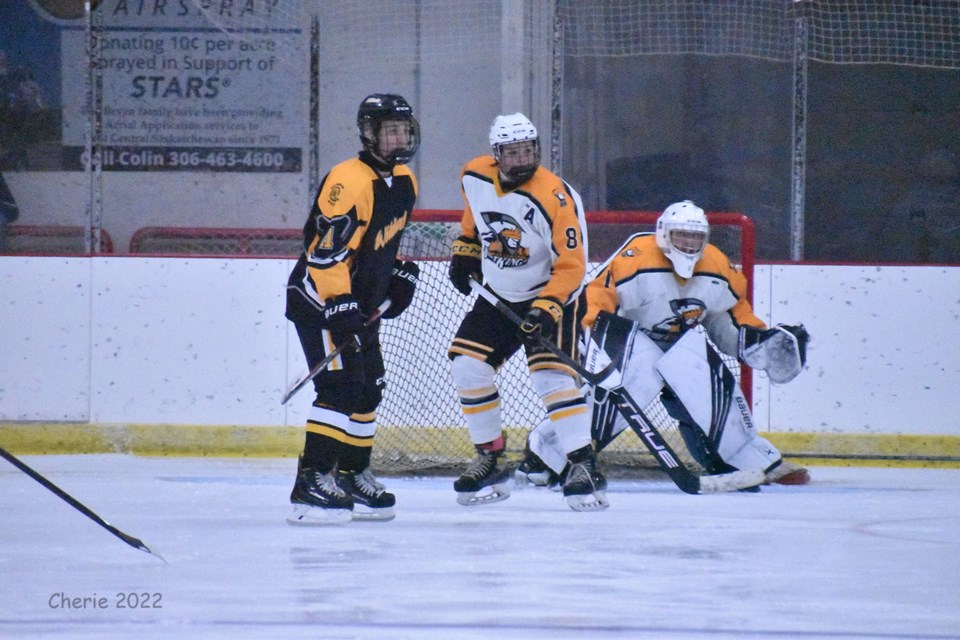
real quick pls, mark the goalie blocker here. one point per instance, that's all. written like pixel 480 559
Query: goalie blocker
pixel 696 388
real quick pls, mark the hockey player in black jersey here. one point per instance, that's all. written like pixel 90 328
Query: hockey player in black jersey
pixel 348 269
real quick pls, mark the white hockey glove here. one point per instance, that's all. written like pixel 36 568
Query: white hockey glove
pixel 781 352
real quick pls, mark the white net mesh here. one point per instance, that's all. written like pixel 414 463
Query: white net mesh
pixel 903 33
pixel 866 32
pixel 625 28
pixel 922 34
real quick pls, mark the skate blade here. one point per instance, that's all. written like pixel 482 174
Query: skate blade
pixel 366 514
pixel 487 495
pixel 588 502
pixel 305 515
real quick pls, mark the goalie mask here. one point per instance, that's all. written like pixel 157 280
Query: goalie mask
pixel 388 130
pixel 516 147
pixel 682 234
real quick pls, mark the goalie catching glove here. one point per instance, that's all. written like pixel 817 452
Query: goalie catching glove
pixel 465 263
pixel 403 284
pixel 781 352
pixel 541 320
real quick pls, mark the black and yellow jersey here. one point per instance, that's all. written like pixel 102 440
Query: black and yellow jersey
pixel 638 283
pixel 352 235
pixel 534 237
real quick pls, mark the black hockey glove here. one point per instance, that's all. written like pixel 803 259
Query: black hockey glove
pixel 464 263
pixel 541 320
pixel 403 283
pixel 343 317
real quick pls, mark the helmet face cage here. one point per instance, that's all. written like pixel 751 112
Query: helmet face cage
pixel 511 130
pixel 385 107
pixel 682 235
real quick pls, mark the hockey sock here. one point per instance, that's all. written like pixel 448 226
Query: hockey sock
pixel 494 445
pixel 354 458
pixel 320 453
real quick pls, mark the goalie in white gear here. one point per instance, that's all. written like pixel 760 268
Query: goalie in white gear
pixel 676 287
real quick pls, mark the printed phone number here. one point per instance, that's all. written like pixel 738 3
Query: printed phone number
pixel 180 159
pixel 259 159
pixel 119 600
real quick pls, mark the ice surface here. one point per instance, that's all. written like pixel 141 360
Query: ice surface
pixel 861 553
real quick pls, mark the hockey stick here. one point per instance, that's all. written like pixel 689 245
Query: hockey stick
pixel 666 457
pixel 593 378
pixel 320 366
pixel 73 502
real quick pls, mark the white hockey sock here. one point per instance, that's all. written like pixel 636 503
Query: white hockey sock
pixel 479 398
pixel 566 407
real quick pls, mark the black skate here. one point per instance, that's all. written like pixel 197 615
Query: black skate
pixel 317 500
pixel 585 488
pixel 534 471
pixel 483 482
pixel 371 500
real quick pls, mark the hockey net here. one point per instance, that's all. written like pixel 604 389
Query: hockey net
pixel 28 239
pixel 421 427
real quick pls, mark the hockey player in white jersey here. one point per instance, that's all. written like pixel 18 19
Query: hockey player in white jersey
pixel 524 236
pixel 677 289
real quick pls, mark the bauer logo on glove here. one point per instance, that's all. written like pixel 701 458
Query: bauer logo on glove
pixel 403 284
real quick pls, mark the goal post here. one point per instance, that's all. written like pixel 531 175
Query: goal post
pixel 420 424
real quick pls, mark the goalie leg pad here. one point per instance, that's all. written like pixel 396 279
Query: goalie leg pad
pixel 606 421
pixel 756 453
pixel 620 341
pixel 713 400
pixel 545 444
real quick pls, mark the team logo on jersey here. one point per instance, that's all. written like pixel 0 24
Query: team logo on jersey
pixel 561 197
pixel 335 190
pixel 333 235
pixel 504 240
pixel 687 313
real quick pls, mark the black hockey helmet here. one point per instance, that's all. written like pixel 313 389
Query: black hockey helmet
pixel 374 111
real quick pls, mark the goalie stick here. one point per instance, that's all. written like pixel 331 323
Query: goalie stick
pixel 320 366
pixel 686 480
pixel 136 543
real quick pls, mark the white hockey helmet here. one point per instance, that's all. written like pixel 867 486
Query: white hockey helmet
pixel 682 235
pixel 511 129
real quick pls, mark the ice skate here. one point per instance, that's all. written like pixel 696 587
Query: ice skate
pixel 788 473
pixel 532 471
pixel 371 500
pixel 483 482
pixel 317 500
pixel 585 488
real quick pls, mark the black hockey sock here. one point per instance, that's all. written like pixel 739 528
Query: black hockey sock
pixel 354 458
pixel 320 453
